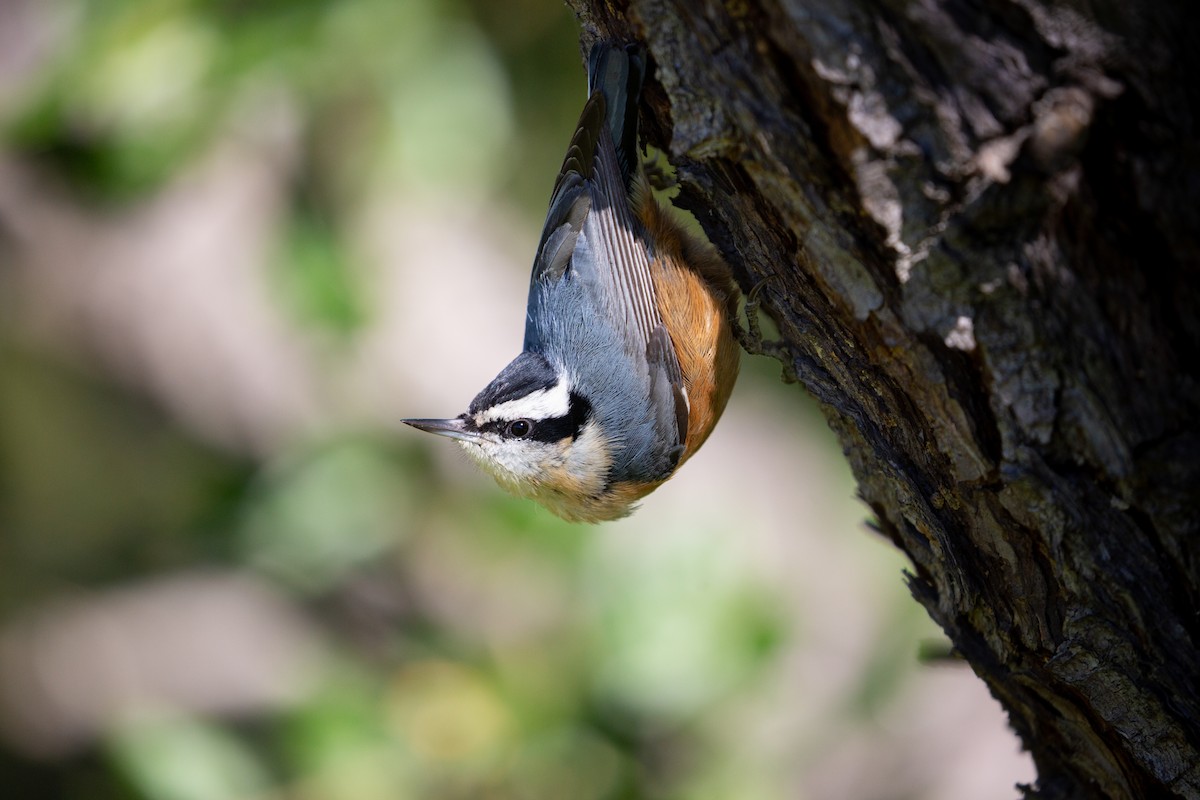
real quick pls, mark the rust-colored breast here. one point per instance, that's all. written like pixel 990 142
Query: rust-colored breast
pixel 697 300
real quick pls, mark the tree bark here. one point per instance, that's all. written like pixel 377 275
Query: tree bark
pixel 975 225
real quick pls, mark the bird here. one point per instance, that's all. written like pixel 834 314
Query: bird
pixel 630 354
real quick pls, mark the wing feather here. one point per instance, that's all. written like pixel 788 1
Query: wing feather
pixel 591 230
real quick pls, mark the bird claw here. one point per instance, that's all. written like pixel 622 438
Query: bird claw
pixel 659 173
pixel 751 338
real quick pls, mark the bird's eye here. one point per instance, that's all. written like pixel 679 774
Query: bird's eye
pixel 519 428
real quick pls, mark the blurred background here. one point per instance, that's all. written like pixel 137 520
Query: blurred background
pixel 238 241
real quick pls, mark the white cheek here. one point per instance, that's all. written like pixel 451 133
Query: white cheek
pixel 510 462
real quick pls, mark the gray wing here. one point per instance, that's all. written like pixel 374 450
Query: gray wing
pixel 571 199
pixel 591 240
pixel 667 393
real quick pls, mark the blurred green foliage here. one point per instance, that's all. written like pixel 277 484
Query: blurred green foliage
pixel 468 646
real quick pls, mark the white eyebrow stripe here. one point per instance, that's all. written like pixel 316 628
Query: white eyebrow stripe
pixel 539 405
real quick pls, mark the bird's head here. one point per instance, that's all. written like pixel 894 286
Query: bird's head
pixel 536 434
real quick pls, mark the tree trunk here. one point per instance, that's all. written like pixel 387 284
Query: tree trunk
pixel 975 225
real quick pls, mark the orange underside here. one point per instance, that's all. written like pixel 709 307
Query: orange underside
pixel 697 303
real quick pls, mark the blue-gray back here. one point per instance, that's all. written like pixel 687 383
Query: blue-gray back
pixel 592 306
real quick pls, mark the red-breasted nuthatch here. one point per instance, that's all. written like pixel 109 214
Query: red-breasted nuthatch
pixel 629 355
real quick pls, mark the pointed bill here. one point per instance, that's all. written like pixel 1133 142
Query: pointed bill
pixel 450 428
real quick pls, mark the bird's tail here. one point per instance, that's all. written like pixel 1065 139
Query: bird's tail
pixel 617 71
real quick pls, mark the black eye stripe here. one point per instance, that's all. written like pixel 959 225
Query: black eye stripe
pixel 555 429
pixel 551 429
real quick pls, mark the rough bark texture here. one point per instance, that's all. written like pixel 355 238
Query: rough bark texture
pixel 979 221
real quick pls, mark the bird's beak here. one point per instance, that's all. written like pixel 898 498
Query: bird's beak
pixel 450 428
